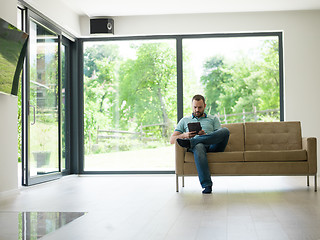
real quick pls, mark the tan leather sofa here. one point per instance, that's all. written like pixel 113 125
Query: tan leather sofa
pixel 260 149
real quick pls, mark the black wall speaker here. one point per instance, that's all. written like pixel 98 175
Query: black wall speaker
pixel 101 25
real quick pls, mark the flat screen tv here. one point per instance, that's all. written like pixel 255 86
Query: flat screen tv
pixel 13 46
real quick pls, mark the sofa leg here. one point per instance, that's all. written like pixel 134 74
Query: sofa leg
pixel 182 181
pixel 308 184
pixel 315 183
pixel 177 183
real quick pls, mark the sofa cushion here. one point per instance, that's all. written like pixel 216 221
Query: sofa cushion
pixel 272 136
pixel 236 138
pixel 275 156
pixel 218 157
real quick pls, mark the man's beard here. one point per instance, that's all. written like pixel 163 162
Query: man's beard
pixel 198 114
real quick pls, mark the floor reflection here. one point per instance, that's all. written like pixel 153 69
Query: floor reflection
pixel 33 225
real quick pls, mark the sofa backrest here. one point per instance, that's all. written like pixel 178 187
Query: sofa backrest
pixel 272 136
pixel 236 138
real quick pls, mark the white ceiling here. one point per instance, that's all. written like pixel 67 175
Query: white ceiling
pixel 98 8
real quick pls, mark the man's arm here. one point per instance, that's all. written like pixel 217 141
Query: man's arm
pixel 177 134
pixel 216 123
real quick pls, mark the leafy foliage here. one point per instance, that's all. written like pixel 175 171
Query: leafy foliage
pixel 139 93
pixel 151 77
pixel 238 86
pixel 127 94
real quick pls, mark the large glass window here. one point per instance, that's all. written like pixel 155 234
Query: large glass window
pixel 130 105
pixel 133 88
pixel 239 76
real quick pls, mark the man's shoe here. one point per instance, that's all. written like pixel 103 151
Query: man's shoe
pixel 207 190
pixel 184 142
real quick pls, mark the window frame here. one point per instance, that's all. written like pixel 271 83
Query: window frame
pixel 179 61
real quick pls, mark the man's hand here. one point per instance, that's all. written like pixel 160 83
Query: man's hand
pixel 180 135
pixel 189 134
pixel 201 132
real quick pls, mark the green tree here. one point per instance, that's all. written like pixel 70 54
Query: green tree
pixel 99 85
pixel 240 94
pixel 99 52
pixel 242 84
pixel 269 81
pixel 148 86
pixel 215 77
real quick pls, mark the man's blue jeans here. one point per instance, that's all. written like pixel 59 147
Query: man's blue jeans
pixel 200 145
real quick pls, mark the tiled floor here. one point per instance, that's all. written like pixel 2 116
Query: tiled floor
pixel 147 207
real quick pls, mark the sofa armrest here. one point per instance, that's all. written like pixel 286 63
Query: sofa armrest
pixel 310 144
pixel 179 155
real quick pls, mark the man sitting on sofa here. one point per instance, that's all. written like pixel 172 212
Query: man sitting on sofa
pixel 211 138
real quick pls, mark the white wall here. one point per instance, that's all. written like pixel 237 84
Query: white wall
pixel 8 143
pixel 8 121
pixel 8 11
pixel 59 13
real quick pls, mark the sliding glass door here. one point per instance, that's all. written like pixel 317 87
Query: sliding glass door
pixel 43 118
pixel 43 103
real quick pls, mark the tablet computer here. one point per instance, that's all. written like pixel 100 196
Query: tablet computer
pixel 194 126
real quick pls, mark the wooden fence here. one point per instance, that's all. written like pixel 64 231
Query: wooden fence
pixel 244 115
pixel 147 135
pixel 143 134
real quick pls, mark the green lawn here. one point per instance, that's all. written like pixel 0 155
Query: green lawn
pixel 44 137
pixel 161 158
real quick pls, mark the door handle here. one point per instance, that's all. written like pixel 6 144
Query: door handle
pixel 34 114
